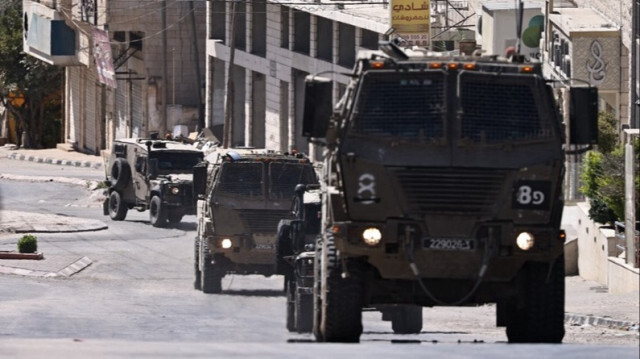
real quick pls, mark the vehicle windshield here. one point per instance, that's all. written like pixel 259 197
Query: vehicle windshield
pixel 498 110
pixel 243 179
pixel 284 176
pixel 173 162
pixel 402 105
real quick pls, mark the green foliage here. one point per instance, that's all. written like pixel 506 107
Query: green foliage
pixel 603 179
pixel 28 244
pixel 607 132
pixel 20 74
pixel 603 173
pixel 600 212
pixel 592 170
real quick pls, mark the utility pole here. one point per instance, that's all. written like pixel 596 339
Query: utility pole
pixel 228 118
pixel 198 74
pixel 163 121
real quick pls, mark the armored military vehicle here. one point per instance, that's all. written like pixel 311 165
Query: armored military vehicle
pixel 296 240
pixel 243 193
pixel 154 175
pixel 442 186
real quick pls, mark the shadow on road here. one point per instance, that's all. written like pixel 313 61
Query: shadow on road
pixel 254 292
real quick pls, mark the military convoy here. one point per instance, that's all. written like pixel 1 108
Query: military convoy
pixel 151 174
pixel 242 195
pixel 442 186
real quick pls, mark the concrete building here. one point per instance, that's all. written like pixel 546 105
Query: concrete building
pixel 132 68
pixel 275 46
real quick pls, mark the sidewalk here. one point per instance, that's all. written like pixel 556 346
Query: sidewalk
pixel 63 155
pixel 587 302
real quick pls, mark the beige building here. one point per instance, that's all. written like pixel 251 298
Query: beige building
pixel 149 81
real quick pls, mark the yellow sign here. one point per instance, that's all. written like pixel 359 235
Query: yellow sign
pixel 412 20
pixel 17 100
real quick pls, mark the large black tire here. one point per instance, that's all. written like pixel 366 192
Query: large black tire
pixel 157 212
pixel 175 217
pixel 197 283
pixel 407 319
pixel 291 289
pixel 303 312
pixel 540 316
pixel 283 248
pixel 341 303
pixel 211 276
pixel 120 174
pixel 117 208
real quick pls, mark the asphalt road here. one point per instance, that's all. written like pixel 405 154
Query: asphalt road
pixel 137 299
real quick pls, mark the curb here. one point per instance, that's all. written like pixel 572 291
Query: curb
pixel 70 270
pixel 584 320
pixel 18 255
pixel 87 164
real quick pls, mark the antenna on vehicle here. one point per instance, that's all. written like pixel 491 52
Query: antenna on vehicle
pixel 519 14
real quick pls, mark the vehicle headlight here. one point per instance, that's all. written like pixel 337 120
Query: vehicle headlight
pixel 371 236
pixel 226 243
pixel 525 241
pixel 175 190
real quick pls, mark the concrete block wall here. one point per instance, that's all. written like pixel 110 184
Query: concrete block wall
pixel 595 245
pixel 598 258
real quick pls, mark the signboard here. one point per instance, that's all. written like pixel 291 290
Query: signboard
pixel 104 60
pixel 412 21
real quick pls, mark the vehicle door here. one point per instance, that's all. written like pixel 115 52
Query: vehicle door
pixel 139 176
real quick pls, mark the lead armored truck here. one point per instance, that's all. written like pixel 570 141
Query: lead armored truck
pixel 151 174
pixel 243 194
pixel 442 186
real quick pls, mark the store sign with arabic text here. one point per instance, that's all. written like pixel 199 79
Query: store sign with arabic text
pixel 412 21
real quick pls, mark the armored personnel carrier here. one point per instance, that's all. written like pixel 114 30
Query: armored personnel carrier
pixel 442 186
pixel 243 194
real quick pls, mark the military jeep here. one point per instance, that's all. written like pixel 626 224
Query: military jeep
pixel 154 175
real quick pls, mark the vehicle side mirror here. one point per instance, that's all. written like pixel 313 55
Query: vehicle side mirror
pixel 200 180
pixel 583 115
pixel 318 106
pixel 153 168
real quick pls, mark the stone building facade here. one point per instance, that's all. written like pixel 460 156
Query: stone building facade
pixel 157 66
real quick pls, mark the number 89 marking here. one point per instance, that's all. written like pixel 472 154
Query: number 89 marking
pixel 526 195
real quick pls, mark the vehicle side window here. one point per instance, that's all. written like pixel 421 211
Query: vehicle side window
pixel 141 164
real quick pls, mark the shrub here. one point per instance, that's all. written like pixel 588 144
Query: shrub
pixel 28 244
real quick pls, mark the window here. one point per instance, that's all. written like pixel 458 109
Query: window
pixel 369 39
pixel 324 29
pixel 218 21
pixel 284 27
pixel 403 106
pixel 347 45
pixel 259 28
pixel 302 31
pixel 241 25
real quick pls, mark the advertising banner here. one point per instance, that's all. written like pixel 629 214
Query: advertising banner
pixel 103 57
pixel 412 21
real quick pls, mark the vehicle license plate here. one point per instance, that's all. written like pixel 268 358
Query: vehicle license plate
pixel 450 244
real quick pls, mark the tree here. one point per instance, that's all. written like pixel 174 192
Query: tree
pixel 30 89
pixel 603 174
